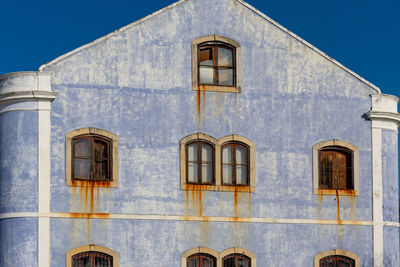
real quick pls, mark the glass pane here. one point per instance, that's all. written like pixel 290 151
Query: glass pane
pixel 101 172
pixel 240 155
pixel 225 77
pixel 230 262
pixel 80 261
pixel 193 262
pixel 205 57
pixel 206 75
pixel 192 172
pixel 224 57
pixel 100 150
pixel 206 173
pixel 102 262
pixel 206 153
pixel 242 263
pixel 341 263
pixel 192 152
pixel 208 262
pixel 227 154
pixel 81 168
pixel 81 148
pixel 227 174
pixel 241 174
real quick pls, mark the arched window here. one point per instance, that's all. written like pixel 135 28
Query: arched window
pixel 216 63
pixel 91 156
pixel 336 261
pixel 201 260
pixel 235 164
pixel 236 260
pixel 91 256
pixel 200 162
pixel 335 168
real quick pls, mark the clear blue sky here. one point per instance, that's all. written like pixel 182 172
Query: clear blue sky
pixel 363 35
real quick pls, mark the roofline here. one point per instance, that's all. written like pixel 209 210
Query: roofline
pixel 250 7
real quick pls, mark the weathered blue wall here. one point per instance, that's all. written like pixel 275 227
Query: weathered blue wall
pixel 137 85
pixel 18 244
pixel 18 161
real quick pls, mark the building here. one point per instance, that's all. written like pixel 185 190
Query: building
pixel 205 134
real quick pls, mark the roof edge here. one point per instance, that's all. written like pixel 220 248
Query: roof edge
pixel 373 86
pixel 76 50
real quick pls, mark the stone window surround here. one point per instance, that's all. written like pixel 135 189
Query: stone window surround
pixel 91 247
pixel 68 157
pixel 217 164
pixel 218 256
pixel 335 142
pixel 238 56
pixel 339 252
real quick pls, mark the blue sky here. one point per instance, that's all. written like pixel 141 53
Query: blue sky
pixel 363 35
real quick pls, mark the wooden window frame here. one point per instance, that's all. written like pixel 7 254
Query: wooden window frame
pixel 217 185
pixel 199 161
pixel 92 255
pixel 201 256
pixel 337 252
pixel 236 257
pixel 233 165
pixel 91 248
pixel 217 40
pixel 335 145
pixel 113 155
pixel 335 258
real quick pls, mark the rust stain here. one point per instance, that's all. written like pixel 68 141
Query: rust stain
pixel 343 192
pixel 320 199
pixel 199 202
pixel 337 206
pixel 249 208
pixel 198 107
pixel 82 215
pixel 235 209
pixel 204 100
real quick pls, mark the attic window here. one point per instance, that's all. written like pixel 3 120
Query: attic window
pixel 216 64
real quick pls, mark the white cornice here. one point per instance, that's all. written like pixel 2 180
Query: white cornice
pixel 23 96
pixel 383 116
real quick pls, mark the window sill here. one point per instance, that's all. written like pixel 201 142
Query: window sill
pixel 339 192
pixel 223 188
pixel 80 183
pixel 217 88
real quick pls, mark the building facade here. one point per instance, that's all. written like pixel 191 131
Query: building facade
pixel 205 134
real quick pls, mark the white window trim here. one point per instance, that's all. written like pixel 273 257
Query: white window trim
pixel 316 148
pixel 217 164
pixel 238 65
pixel 338 252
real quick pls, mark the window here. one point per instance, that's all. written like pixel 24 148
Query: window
pixel 336 258
pixel 200 163
pixel 201 260
pixel 91 256
pixel 92 259
pixel 235 164
pixel 336 261
pixel 220 165
pixel 216 64
pixel 335 168
pixel 91 156
pixel 236 260
pixel 206 257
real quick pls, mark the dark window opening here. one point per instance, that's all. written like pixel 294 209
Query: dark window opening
pixel 201 260
pixel 92 259
pixel 216 64
pixel 235 164
pixel 336 261
pixel 91 158
pixel 336 168
pixel 236 260
pixel 200 163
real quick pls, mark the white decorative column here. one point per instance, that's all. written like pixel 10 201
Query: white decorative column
pixel 383 115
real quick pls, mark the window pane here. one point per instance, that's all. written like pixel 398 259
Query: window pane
pixel 193 262
pixel 206 173
pixel 240 155
pixel 192 172
pixel 206 75
pixel 100 150
pixel 206 153
pixel 241 174
pixel 242 263
pixel 81 148
pixel 80 260
pixel 227 174
pixel 227 154
pixel 225 77
pixel 230 262
pixel 101 171
pixel 208 262
pixel 192 152
pixel 205 57
pixel 224 57
pixel 81 168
